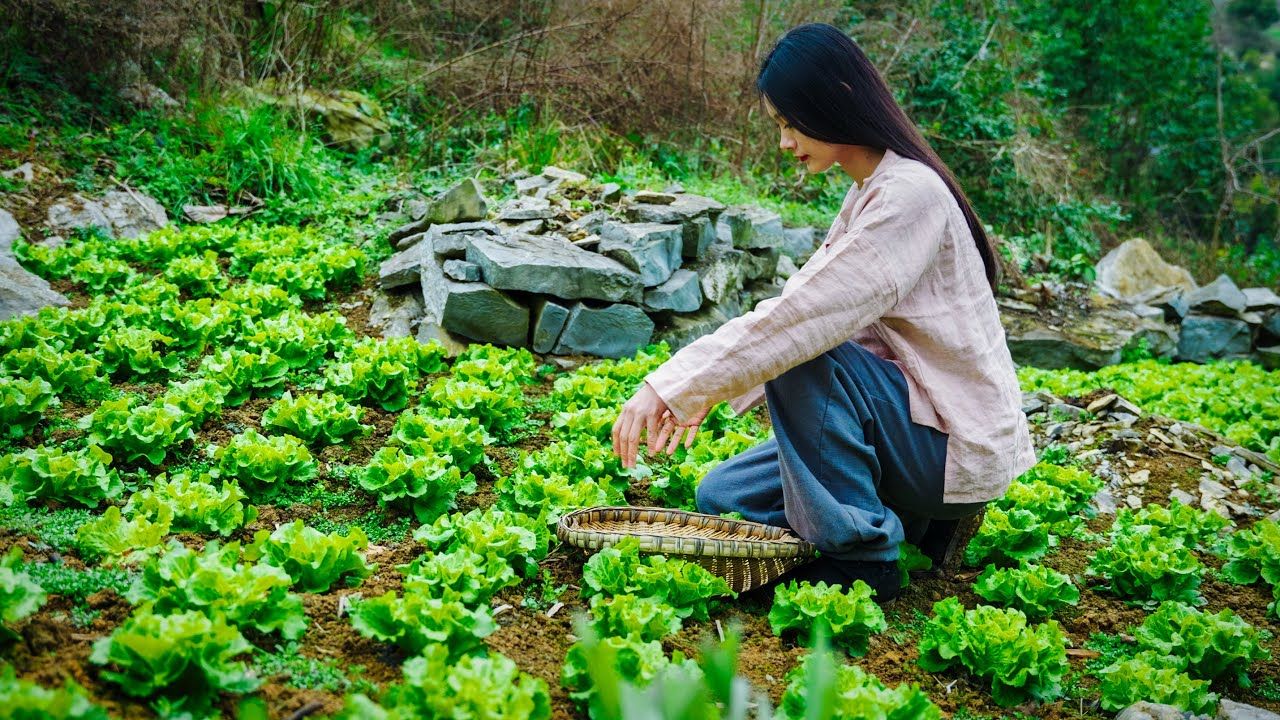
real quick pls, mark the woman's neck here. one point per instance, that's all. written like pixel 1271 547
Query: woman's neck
pixel 860 161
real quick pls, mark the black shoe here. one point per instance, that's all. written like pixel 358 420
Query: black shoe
pixel 881 575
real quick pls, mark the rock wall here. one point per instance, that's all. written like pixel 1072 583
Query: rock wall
pixel 572 267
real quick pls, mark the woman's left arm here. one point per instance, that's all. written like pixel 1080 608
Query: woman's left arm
pixel 864 273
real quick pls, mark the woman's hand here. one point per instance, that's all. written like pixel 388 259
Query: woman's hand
pixel 672 431
pixel 647 412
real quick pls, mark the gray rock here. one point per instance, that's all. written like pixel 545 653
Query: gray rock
pixel 447 234
pixel 1271 324
pixel 680 293
pixel 1213 489
pixel 1173 304
pixel 1260 299
pixel 526 208
pixel 23 293
pixel 1104 502
pixel 77 211
pixel 555 173
pixel 799 243
pixel 1267 357
pixel 753 227
pixel 1151 711
pixel 395 316
pixel 1135 268
pixel 1183 497
pixel 695 213
pixel 680 330
pixel 551 266
pixel 415 207
pixel 529 185
pixel 1232 710
pixel 403 268
pixel 462 271
pixel 588 224
pixel 614 331
pixel 1237 467
pixel 722 273
pixel 477 311
pixel 609 192
pixel 753 293
pixel 1205 337
pixel 132 214
pixel 1220 297
pixel 650 249
pixel 9 231
pixel 654 198
pixel 1067 410
pixel 408 234
pixel 699 234
pixel 786 267
pixel 548 322
pixel 1149 312
pixel 1095 340
pixel 429 332
pixel 461 203
pixel 762 263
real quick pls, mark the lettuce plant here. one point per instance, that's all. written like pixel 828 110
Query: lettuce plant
pixel 641 618
pixel 25 700
pixel 245 374
pixel 1037 590
pixel 415 621
pixel 1023 662
pixel 83 476
pixel 324 419
pixel 196 324
pixel 1196 528
pixel 314 560
pixel 22 405
pixel 19 595
pixel 137 432
pixel 302 340
pixel 262 463
pixel 199 399
pixel 620 569
pixel 855 694
pixel 428 484
pixel 582 459
pixel 551 496
pixel 473 687
pixel 462 438
pixel 630 659
pixel 850 615
pixel 136 352
pixel 66 371
pixel 461 575
pixel 1155 678
pixel 388 385
pixel 113 540
pixel 498 410
pixel 194 503
pixel 189 657
pixel 1147 566
pixel 215 582
pixel 1008 537
pixel 1254 555
pixel 199 275
pixel 1205 645
pixel 518 539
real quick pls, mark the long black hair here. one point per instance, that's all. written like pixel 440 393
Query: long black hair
pixel 821 82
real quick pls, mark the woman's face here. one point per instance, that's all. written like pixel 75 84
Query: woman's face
pixel 816 156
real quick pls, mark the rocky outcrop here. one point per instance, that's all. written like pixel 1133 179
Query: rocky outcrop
pixel 1135 269
pixel 21 292
pixel 119 213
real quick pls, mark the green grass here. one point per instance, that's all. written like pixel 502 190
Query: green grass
pixel 56 529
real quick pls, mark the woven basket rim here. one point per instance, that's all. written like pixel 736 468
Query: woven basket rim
pixel 783 544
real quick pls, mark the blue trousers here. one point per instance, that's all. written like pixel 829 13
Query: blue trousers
pixel 847 468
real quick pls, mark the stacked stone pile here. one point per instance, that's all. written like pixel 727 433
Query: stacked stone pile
pixel 572 267
pixel 1138 298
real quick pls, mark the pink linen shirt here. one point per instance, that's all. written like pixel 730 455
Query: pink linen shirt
pixel 898 273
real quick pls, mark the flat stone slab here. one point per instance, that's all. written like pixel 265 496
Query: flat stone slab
pixel 1220 297
pixel 403 268
pixel 799 243
pixel 551 266
pixel 548 322
pixel 478 312
pixel 526 208
pixel 754 228
pixel 614 331
pixel 1088 343
pixel 461 203
pixel 22 292
pixel 1261 299
pixel 680 293
pixel 462 271
pixel 721 273
pixel 1206 337
pixel 650 249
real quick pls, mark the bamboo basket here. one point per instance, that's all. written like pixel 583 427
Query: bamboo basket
pixel 746 554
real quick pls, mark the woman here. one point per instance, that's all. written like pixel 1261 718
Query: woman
pixel 891 391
